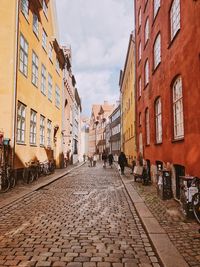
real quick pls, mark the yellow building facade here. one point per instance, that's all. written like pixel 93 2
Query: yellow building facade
pixel 127 85
pixel 31 80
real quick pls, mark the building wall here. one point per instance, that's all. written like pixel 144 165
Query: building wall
pixel 8 22
pixel 178 57
pixel 33 98
pixel 128 104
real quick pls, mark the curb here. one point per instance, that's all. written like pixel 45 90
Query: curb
pixel 37 187
pixel 166 251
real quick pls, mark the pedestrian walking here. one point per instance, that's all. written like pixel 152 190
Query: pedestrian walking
pixel 94 160
pixel 104 158
pixel 133 165
pixel 122 161
pixel 110 159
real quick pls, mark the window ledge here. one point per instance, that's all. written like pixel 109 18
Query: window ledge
pixel 146 86
pixel 155 69
pixel 26 76
pixel 43 146
pixel 147 145
pixel 158 143
pixel 33 145
pixel 173 39
pixel 21 143
pixel 154 18
pixel 177 140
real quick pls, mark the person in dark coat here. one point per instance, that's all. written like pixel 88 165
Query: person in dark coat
pixel 110 159
pixel 122 161
pixel 104 158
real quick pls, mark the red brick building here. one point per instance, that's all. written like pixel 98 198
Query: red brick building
pixel 168 85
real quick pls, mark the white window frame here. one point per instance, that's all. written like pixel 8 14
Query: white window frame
pixel 178 109
pixel 146 31
pixel 35 24
pixel 42 130
pixel 147 124
pixel 49 132
pixel 57 65
pixel 23 56
pixel 50 52
pixel 43 79
pixel 33 127
pixel 175 18
pixel 44 40
pixel 25 8
pixel 21 122
pixel 146 72
pixel 157 51
pixel 45 8
pixel 57 98
pixel 35 66
pixel 50 86
pixel 156 6
pixel 158 120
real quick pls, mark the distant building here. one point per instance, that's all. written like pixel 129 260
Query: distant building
pixel 115 131
pixel 98 121
pixel 168 86
pixel 127 90
pixel 84 149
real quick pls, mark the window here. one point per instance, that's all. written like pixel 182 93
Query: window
pixel 140 17
pixel 35 24
pixel 175 17
pixel 140 87
pixel 140 51
pixel 21 120
pixel 34 69
pixel 50 52
pixel 157 51
pixel 43 80
pixel 50 86
pixel 156 5
pixel 57 65
pixel 24 7
pixel 45 8
pixel 57 97
pixel 147 126
pixel 146 74
pixel 146 31
pixel 158 117
pixel 42 129
pixel 178 109
pixel 44 40
pixel 23 60
pixel 49 130
pixel 33 120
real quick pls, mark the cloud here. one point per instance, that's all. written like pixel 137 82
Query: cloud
pixel 98 32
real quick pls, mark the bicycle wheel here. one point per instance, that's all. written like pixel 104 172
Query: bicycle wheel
pixel 31 176
pixel 12 180
pixel 5 184
pixel 196 206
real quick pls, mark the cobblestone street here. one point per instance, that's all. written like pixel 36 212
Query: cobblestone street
pixel 83 219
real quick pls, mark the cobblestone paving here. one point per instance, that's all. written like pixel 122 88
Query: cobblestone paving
pixel 183 233
pixel 85 219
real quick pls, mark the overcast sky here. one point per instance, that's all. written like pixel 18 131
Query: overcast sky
pixel 98 32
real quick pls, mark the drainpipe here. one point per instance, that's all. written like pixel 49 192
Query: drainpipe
pixel 15 81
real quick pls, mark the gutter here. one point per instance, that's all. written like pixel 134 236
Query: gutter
pixel 15 82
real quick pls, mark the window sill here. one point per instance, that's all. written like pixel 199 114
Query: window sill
pixel 33 145
pixel 173 39
pixel 154 17
pixel 146 86
pixel 26 76
pixel 36 35
pixel 155 69
pixel 43 93
pixel 21 143
pixel 42 146
pixel 45 50
pixel 26 17
pixel 145 45
pixel 147 145
pixel 158 143
pixel 35 85
pixel 177 140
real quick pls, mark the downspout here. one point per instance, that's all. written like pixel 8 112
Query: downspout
pixel 13 139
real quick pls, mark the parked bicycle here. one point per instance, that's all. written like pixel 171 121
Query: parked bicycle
pixel 196 199
pixel 30 172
